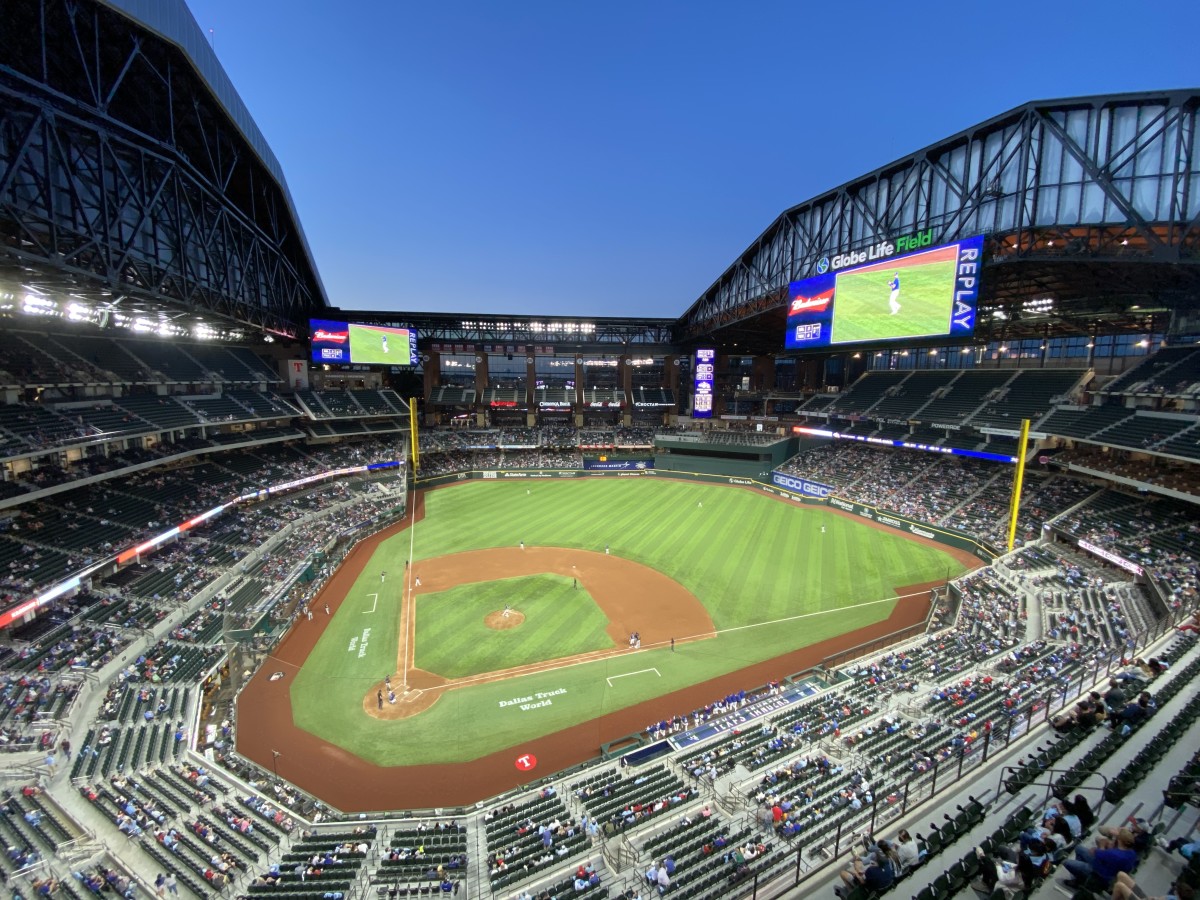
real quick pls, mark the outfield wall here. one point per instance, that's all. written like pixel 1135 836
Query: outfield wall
pixel 718 466
pixel 948 536
pixel 797 489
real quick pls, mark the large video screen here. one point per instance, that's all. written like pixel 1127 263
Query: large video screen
pixel 928 293
pixel 340 342
pixel 703 381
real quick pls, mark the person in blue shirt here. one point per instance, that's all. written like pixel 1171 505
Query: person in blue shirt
pixel 894 299
pixel 1104 862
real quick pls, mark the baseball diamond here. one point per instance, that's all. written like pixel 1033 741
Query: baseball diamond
pixel 777 585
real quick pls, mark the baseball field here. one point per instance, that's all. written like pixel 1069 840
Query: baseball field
pixel 379 346
pixel 861 310
pixel 513 620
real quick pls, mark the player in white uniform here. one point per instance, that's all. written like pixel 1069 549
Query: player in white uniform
pixel 894 299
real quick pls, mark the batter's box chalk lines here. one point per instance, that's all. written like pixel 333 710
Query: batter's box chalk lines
pixel 610 678
pixel 374 603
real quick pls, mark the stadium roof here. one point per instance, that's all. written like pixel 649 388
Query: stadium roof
pixel 135 183
pixel 174 22
pixel 1087 202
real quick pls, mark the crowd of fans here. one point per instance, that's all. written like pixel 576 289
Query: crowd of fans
pixel 1177 477
pixel 963 705
pixel 544 437
pixel 83 528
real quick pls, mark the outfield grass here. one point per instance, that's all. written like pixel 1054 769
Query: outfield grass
pixel 560 621
pixel 861 310
pixel 367 345
pixel 771 580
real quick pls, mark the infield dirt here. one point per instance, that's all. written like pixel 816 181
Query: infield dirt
pixel 351 784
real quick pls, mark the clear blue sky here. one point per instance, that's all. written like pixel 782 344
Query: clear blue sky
pixel 612 158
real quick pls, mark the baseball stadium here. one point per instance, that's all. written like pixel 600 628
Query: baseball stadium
pixel 873 571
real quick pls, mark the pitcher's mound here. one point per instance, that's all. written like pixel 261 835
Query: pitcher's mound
pixel 501 622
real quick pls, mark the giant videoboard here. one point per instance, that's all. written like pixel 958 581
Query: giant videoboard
pixel 879 294
pixel 340 342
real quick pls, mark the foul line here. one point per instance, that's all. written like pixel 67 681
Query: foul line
pixel 406 599
pixel 374 603
pixel 585 659
pixel 820 612
pixel 596 655
pixel 610 678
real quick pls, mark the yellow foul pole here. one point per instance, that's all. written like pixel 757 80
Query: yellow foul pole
pixel 412 429
pixel 1018 481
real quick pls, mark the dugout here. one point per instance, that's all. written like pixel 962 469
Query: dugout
pixel 719 455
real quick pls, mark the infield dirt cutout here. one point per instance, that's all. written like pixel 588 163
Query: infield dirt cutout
pixel 632 596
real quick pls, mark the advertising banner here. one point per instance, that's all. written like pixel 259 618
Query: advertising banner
pixel 1111 557
pixel 618 465
pixel 296 373
pixel 800 485
pixel 950 536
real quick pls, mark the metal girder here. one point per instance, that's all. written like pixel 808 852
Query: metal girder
pixel 607 333
pixel 120 171
pixel 1111 177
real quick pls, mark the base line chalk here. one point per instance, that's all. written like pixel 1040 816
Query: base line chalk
pixel 627 674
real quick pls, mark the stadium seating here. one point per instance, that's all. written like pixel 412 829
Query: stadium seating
pixel 913 393
pixel 866 392
pixel 1082 421
pixel 910 716
pixel 955 403
pixel 1170 371
pixel 1027 396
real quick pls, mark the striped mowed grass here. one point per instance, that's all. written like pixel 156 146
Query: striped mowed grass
pixel 771 580
pixel 862 311
pixel 559 621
